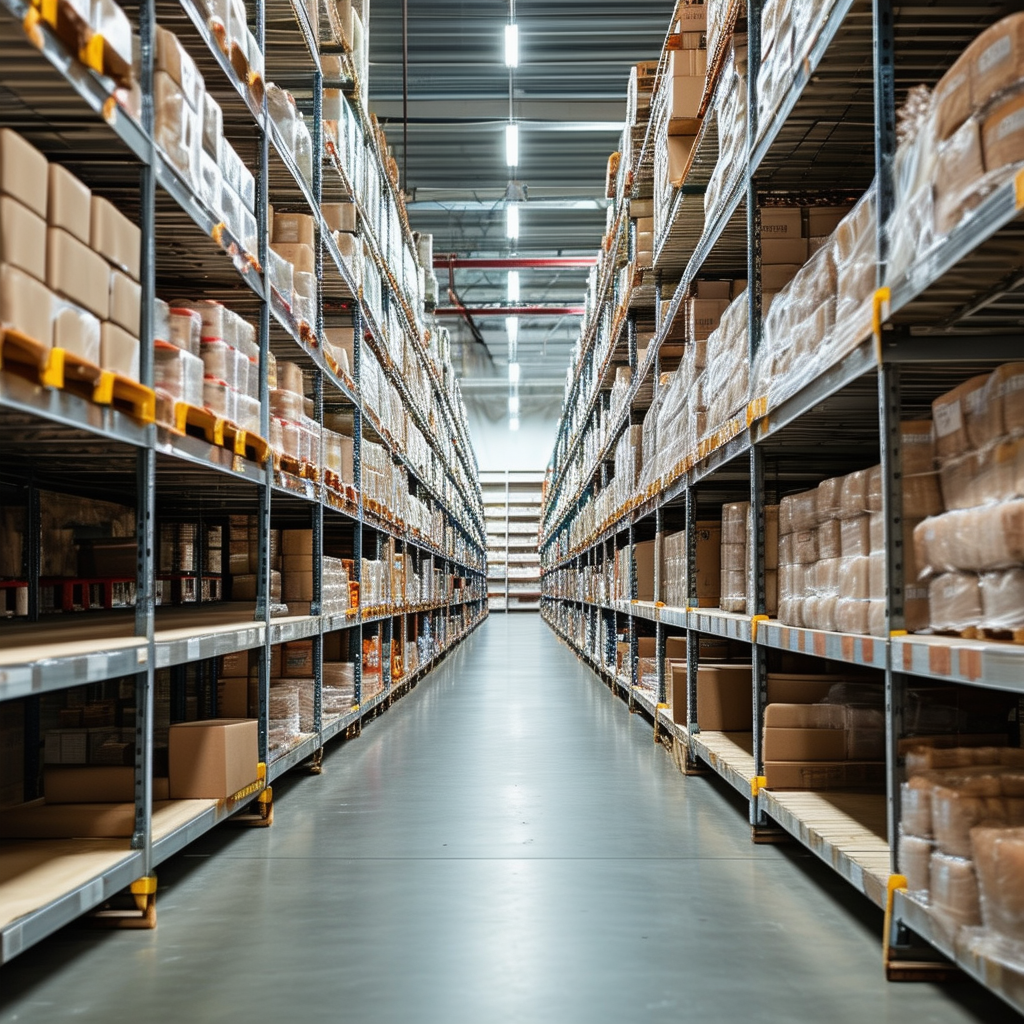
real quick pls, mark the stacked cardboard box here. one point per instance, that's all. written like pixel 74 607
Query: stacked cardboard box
pixel 737 533
pixel 69 262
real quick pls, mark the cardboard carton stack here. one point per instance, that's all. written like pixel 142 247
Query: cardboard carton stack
pixel 737 533
pixel 69 263
pixel 971 556
pixel 674 579
pixel 297 576
pixel 243 564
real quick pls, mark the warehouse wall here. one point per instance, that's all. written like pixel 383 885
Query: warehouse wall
pixel 497 447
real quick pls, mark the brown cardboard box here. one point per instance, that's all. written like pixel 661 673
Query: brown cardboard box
pixel 294 229
pixel 22 238
pixel 1003 133
pixel 26 305
pixel 804 744
pixel 298 255
pixel 823 220
pixel 709 564
pixel 641 208
pixel 125 300
pixel 69 203
pixel 234 664
pixel 296 586
pixel 340 217
pixel 688 63
pixel 679 148
pixel 23 171
pixel 784 249
pixel 703 316
pixel 96 784
pixel 643 558
pixel 951 99
pixel 786 688
pixel 675 647
pixel 212 759
pixel 684 93
pixel 996 59
pixel 725 698
pixel 243 587
pixel 74 270
pixel 297 542
pixel 233 696
pixel 119 351
pixel 825 775
pixel 775 277
pixel 297 659
pixel 781 222
pixel 675 690
pixel 115 237
pixel 691 17
pixel 713 290
pixel 646 647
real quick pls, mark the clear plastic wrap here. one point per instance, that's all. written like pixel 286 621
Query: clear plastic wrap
pixel 954 889
pixel 177 373
pixel 999 863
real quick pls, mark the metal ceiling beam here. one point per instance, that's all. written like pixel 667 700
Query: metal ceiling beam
pixel 442 262
pixel 531 311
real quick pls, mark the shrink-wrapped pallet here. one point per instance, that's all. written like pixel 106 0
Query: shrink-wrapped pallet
pixel 915 855
pixel 954 601
pixel 954 889
pixel 999 862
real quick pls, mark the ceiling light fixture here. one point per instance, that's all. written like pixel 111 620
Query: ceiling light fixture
pixel 513 405
pixel 512 221
pixel 513 286
pixel 512 144
pixel 513 373
pixel 512 329
pixel 512 46
pixel 513 423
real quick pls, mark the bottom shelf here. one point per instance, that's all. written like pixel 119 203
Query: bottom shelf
pixel 47 883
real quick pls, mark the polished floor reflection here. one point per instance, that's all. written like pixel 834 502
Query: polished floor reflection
pixel 505 846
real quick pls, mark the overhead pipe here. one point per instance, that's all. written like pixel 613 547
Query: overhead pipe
pixel 484 311
pixel 442 262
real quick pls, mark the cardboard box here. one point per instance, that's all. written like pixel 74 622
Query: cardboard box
pixel 298 255
pixel 704 316
pixel 691 17
pixel 119 351
pixel 24 171
pixel 709 564
pixel 1003 133
pixel 713 290
pixel 643 560
pixel 26 305
pixel 996 59
pixel 69 203
pixel 825 775
pixel 296 586
pixel 294 229
pixel 781 222
pixel 823 220
pixel 775 277
pixel 340 217
pixel 234 664
pixel 804 744
pixel 297 659
pixel 297 542
pixel 783 250
pixel 233 696
pixel 684 93
pixel 22 238
pixel 173 59
pixel 115 237
pixel 675 648
pixel 125 302
pixel 786 688
pixel 212 760
pixel 75 271
pixel 675 690
pixel 99 784
pixel 725 697
pixel 688 63
pixel 642 207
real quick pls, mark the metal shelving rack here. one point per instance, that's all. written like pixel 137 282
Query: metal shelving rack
pixel 55 440
pixel 512 500
pixel 952 314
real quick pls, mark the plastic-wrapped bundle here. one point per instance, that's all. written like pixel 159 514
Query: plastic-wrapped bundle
pixel 999 862
pixel 954 889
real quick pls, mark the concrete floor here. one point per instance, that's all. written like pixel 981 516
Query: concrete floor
pixel 505 845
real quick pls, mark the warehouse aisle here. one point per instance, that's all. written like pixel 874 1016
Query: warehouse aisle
pixel 505 845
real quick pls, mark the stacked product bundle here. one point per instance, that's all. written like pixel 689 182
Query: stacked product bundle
pixel 675 586
pixel 69 264
pixel 231 361
pixel 832 545
pixel 293 240
pixel 737 533
pixel 958 142
pixel 960 844
pixel 297 576
pixel 189 129
pixel 972 554
pixel 731 117
pixel 293 431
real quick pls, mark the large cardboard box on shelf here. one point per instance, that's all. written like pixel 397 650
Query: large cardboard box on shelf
pixel 795 688
pixel 825 775
pixel 22 238
pixel 95 784
pixel 69 203
pixel 212 759
pixel 340 217
pixel 23 171
pixel 233 696
pixel 26 305
pixel 297 542
pixel 782 744
pixel 781 222
pixel 725 698
pixel 643 559
pixel 115 237
pixel 76 271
